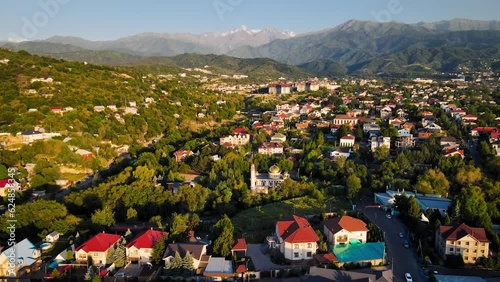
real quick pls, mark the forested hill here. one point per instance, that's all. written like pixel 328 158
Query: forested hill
pixel 255 68
pixel 32 86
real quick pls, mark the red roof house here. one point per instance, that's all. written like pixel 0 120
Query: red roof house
pixel 240 248
pixel 296 238
pixel 97 248
pixel 469 242
pixel 141 247
pixel 6 184
pixel 181 154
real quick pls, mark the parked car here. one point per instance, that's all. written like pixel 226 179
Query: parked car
pixel 388 216
pixel 407 245
pixel 408 277
pixel 401 234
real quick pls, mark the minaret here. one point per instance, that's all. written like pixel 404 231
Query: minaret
pixel 253 179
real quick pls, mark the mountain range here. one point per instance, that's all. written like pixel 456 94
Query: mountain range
pixel 354 47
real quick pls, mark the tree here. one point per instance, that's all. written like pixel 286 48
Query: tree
pixel 179 223
pixel 353 185
pixel 222 232
pixel 381 154
pixel 433 181
pixel 187 264
pixel 91 273
pixel 285 165
pixel 131 214
pixel 176 262
pixel 469 175
pixel 159 248
pixel 343 130
pixel 119 255
pixel 56 274
pixel 103 217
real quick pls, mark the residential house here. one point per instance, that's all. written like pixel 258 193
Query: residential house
pixel 99 108
pixel 112 107
pixel 97 248
pixel 347 141
pixel 236 140
pixel 240 248
pixel 8 183
pixel 303 126
pixel 451 151
pixel 371 128
pixel 270 148
pixel 340 152
pixel 181 155
pixel 433 127
pixel 296 239
pixel 385 113
pixel 449 141
pixel 405 141
pixel 30 136
pixel 469 242
pixel 141 247
pixel 52 237
pixel 345 119
pixel 57 110
pixel 19 259
pixel 469 119
pixel 84 153
pixel 130 111
pixel 342 230
pixel 278 137
pixel 325 274
pixel 218 268
pixel 196 250
pixel 379 142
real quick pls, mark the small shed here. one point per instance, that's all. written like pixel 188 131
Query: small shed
pixel 52 237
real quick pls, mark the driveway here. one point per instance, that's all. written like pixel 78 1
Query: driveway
pixel 403 259
pixel 261 261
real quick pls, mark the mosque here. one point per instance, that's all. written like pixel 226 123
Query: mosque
pixel 261 182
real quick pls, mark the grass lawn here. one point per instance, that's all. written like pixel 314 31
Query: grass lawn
pixel 73 176
pixel 258 222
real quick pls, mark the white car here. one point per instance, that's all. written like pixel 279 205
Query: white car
pixel 401 234
pixel 408 277
pixel 388 216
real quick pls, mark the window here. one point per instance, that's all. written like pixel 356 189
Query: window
pixel 309 245
pixel 309 254
pixel 475 244
pixel 458 243
pixel 451 249
pixel 482 244
pixel 296 254
pixel 96 254
pixel 467 243
pixel 466 258
pixel 296 246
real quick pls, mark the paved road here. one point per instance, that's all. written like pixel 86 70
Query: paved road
pixel 261 261
pixel 403 259
pixel 473 151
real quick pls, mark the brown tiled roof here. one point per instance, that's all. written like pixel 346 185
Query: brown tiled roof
pixel 345 222
pixel 454 233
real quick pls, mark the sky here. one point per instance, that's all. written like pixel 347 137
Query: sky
pixel 112 19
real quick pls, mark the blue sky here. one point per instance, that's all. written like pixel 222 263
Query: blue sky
pixel 112 19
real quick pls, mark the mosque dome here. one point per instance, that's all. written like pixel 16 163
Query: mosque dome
pixel 274 169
